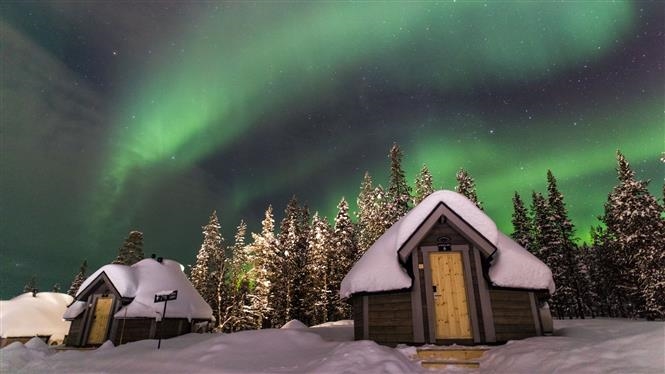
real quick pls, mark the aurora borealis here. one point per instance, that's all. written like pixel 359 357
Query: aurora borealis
pixel 149 115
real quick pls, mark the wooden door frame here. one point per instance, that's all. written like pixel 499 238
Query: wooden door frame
pixel 468 284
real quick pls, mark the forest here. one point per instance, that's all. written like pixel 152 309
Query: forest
pixel 268 278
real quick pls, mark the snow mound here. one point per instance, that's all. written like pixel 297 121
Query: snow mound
pixel 294 324
pixel 513 266
pixel 25 315
pixel 578 346
pixel 141 282
pixel 380 269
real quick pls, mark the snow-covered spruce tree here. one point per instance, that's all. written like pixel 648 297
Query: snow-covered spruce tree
pixel 570 282
pixel 546 240
pixel 365 207
pixel 424 185
pixel 262 255
pixel 467 186
pixel 398 198
pixel 637 230
pixel 131 250
pixel 205 275
pixel 590 270
pixel 31 285
pixel 342 257
pixel 236 316
pixel 78 279
pixel 317 296
pixel 604 273
pixel 292 257
pixel 522 227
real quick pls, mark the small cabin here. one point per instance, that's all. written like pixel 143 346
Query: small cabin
pixel 34 314
pixel 444 274
pixel 118 303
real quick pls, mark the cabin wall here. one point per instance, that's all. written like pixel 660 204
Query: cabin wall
pixel 131 329
pixel 73 337
pixel 358 320
pixel 390 318
pixel 513 315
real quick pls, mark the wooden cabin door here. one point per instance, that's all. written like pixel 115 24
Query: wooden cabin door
pixel 450 302
pixel 100 320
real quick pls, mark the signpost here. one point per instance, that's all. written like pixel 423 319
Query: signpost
pixel 164 297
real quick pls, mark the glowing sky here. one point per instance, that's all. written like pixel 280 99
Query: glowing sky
pixel 148 116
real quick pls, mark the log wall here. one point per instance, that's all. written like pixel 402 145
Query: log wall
pixel 513 318
pixel 390 318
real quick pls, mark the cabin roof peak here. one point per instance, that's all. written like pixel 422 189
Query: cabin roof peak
pixel 381 268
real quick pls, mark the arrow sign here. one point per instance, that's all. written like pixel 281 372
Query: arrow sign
pixel 160 298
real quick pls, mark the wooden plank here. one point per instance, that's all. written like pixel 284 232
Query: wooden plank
pixel 100 322
pixel 451 307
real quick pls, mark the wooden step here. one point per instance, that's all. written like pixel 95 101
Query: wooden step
pixel 442 364
pixel 439 357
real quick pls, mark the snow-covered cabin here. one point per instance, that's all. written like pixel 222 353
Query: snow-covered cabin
pixel 445 274
pixel 117 303
pixel 29 315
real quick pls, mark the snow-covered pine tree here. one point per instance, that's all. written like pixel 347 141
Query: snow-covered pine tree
pixel 204 274
pixel 262 255
pixel 569 281
pixel 378 220
pixel 546 239
pixel 236 315
pixel 424 185
pixel 291 260
pixel 56 288
pixel 78 279
pixel 589 270
pixel 635 225
pixel 31 285
pixel 467 186
pixel 398 197
pixel 365 208
pixel 522 227
pixel 217 287
pixel 316 290
pixel 342 258
pixel 131 250
pixel 604 273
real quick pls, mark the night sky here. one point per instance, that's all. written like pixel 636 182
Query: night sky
pixel 149 115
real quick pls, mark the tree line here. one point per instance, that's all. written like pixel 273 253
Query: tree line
pixel 621 273
pixel 265 279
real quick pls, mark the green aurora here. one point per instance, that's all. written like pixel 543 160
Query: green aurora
pixel 149 117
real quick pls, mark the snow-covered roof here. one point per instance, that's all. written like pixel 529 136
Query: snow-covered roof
pixel 514 266
pixel 141 282
pixel 379 269
pixel 26 315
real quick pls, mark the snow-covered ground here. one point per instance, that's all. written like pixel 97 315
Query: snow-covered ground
pixel 579 346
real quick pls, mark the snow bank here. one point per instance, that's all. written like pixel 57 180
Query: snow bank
pixel 261 351
pixel 379 269
pixel 26 315
pixel 578 346
pixel 294 324
pixel 141 282
pixel 584 346
pixel 513 266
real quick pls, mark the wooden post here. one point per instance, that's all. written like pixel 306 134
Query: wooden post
pixel 159 327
